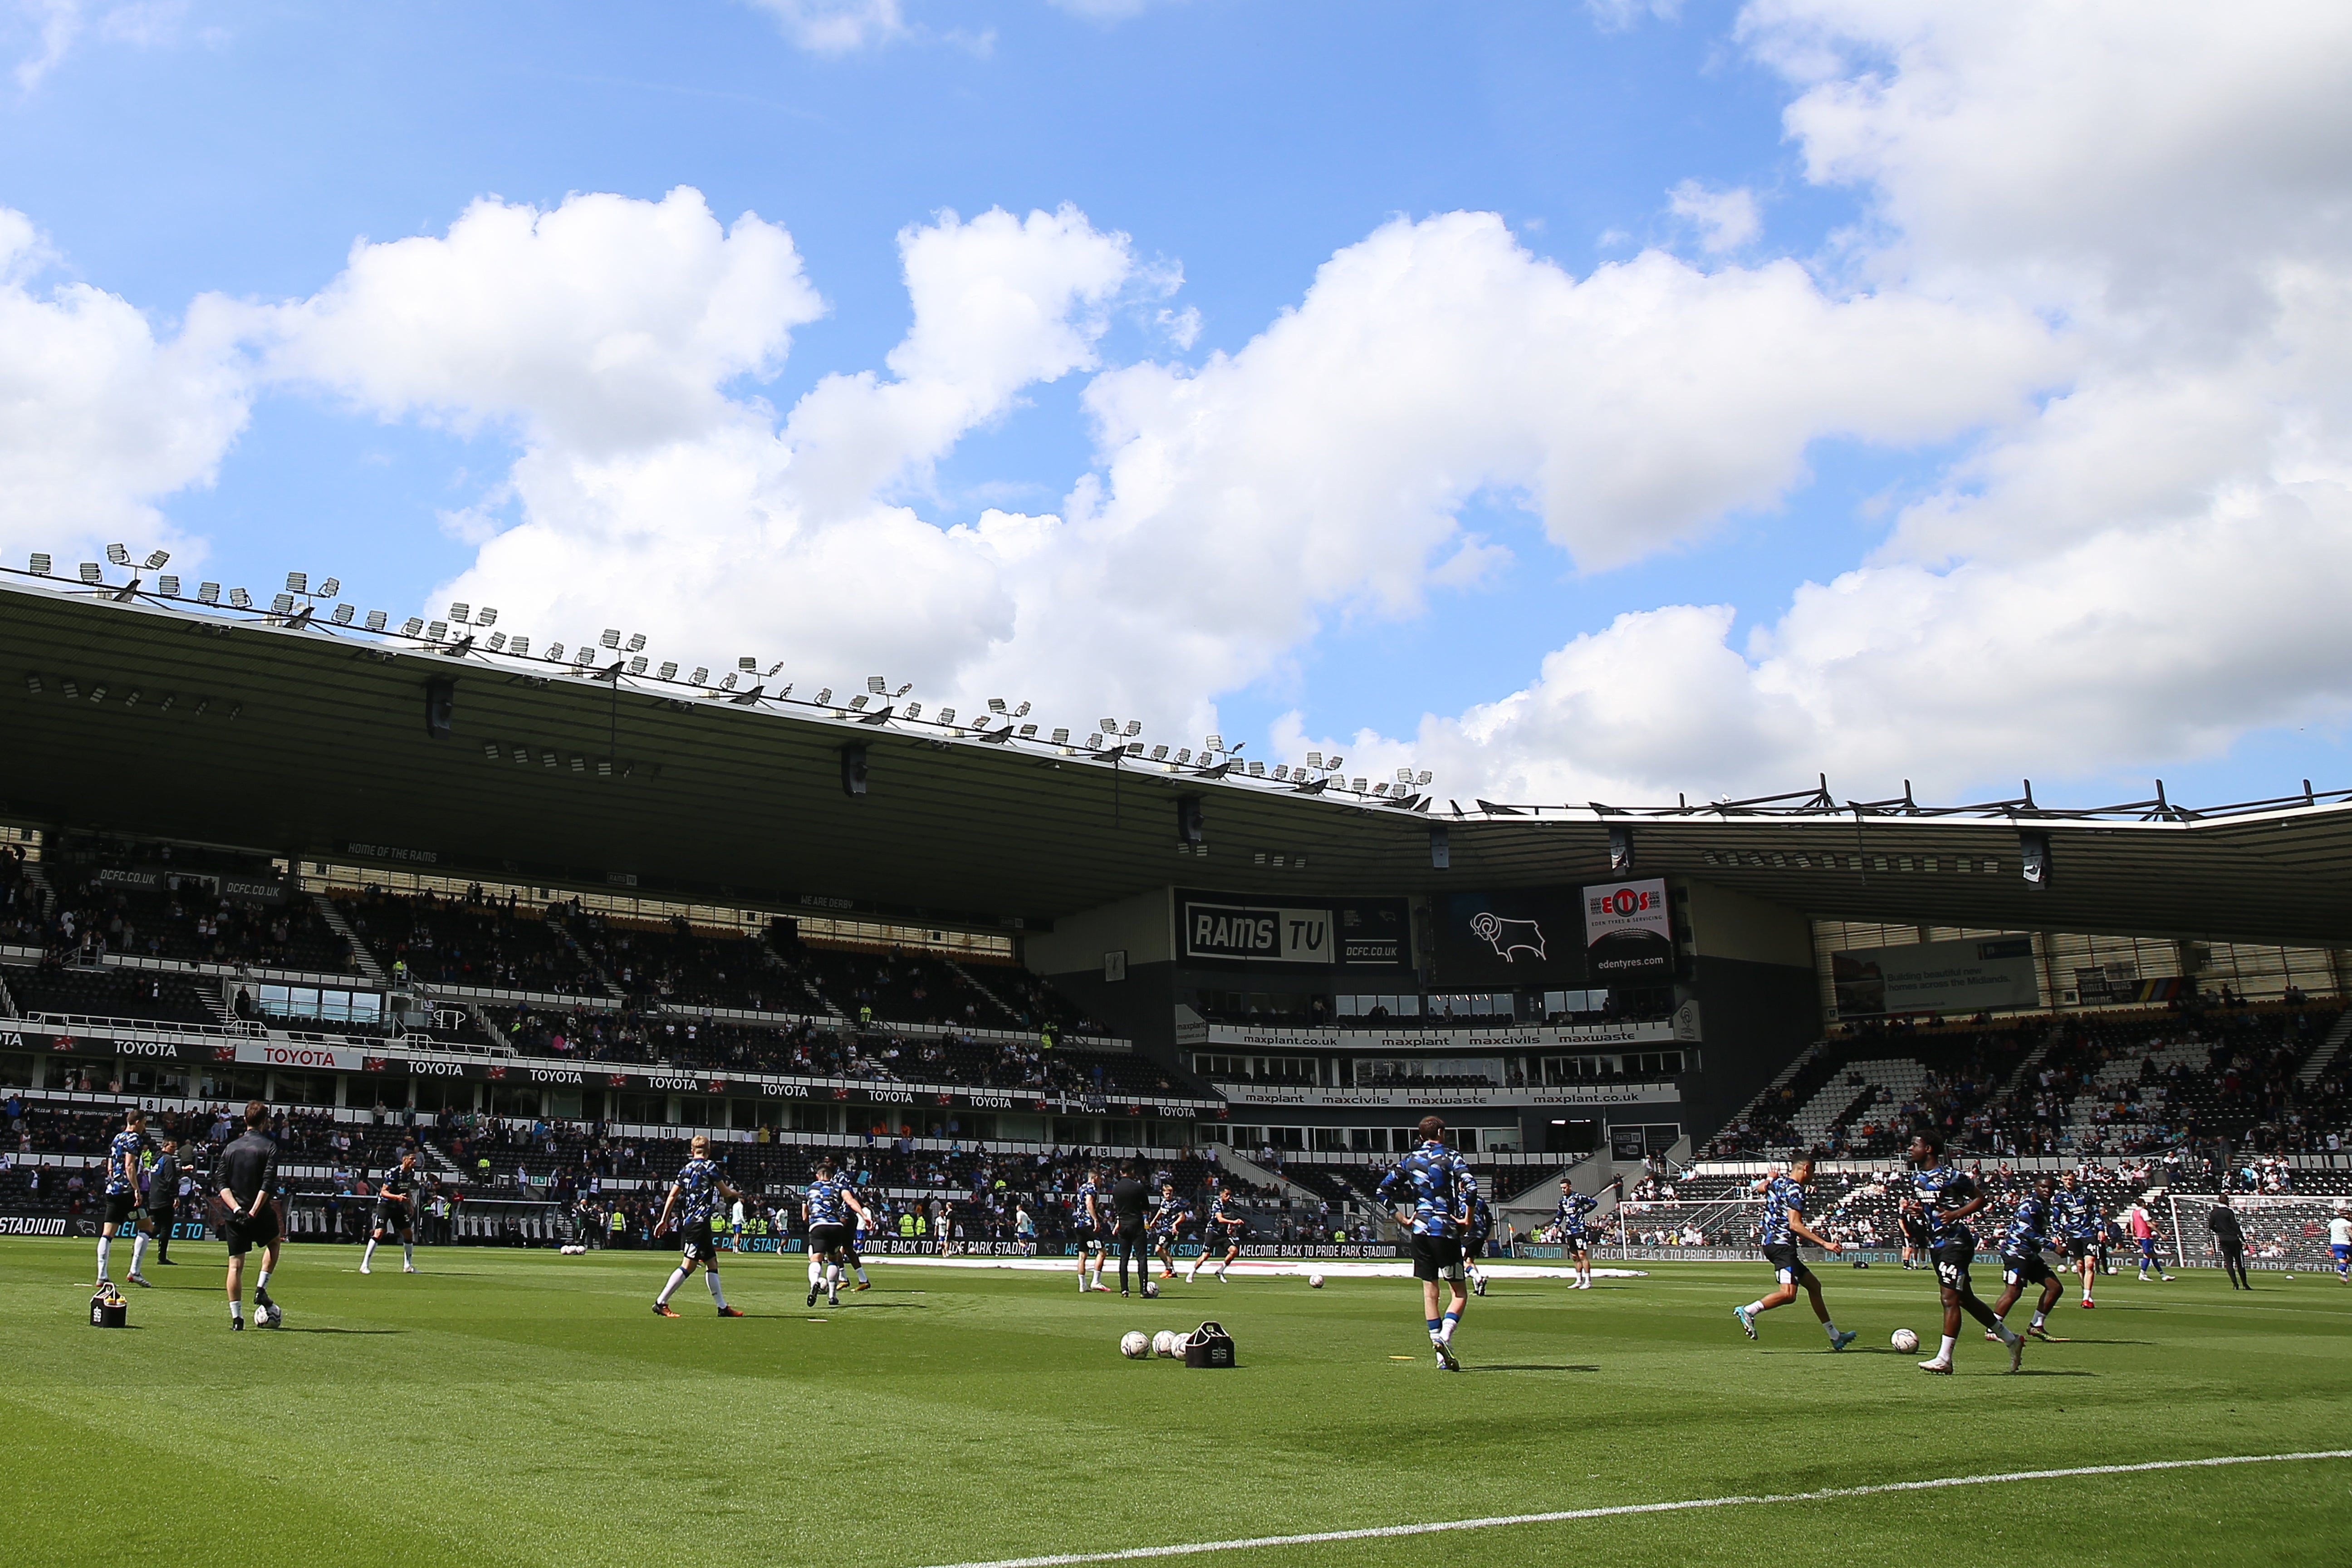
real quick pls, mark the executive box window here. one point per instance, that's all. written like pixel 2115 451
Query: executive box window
pixel 1258 1069
pixel 365 1007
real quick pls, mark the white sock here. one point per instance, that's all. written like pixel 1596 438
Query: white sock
pixel 138 1252
pixel 368 1256
pixel 1950 1345
pixel 711 1275
pixel 1221 1272
pixel 1445 1330
pixel 260 1284
pixel 236 1312
pixel 861 1274
pixel 408 1253
pixel 105 1252
pixel 2037 1317
pixel 816 1269
pixel 676 1278
pixel 1829 1328
pixel 1754 1307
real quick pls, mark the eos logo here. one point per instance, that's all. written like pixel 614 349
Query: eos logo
pixel 1627 901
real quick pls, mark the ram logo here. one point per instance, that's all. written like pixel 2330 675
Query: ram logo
pixel 1508 938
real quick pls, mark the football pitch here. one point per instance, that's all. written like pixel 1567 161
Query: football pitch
pixel 513 1407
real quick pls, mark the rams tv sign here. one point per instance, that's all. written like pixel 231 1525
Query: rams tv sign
pixel 1224 929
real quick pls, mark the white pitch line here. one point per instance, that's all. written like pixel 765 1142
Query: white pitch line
pixel 1062 1560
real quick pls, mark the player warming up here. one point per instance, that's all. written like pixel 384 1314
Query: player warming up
pixel 1948 1196
pixel 1438 1185
pixel 694 1197
pixel 2143 1231
pixel 822 1206
pixel 246 1178
pixel 1776 1231
pixel 1223 1232
pixel 1568 1223
pixel 1090 1229
pixel 1473 1242
pixel 2030 1227
pixel 122 1160
pixel 2339 1240
pixel 1166 1221
pixel 396 1214
pixel 2074 1220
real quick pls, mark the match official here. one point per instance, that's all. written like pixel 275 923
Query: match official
pixel 2231 1238
pixel 247 1178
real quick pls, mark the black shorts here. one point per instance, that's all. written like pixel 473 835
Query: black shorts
pixel 119 1206
pixel 1914 1238
pixel 2032 1269
pixel 1787 1264
pixel 1085 1237
pixel 1476 1248
pixel 393 1218
pixel 158 1212
pixel 696 1243
pixel 1952 1260
pixel 824 1238
pixel 2080 1247
pixel 1574 1241
pixel 244 1232
pixel 1229 1238
pixel 1436 1257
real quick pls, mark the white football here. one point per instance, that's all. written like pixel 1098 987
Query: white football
pixel 1164 1343
pixel 1134 1346
pixel 1315 1281
pixel 1150 1287
pixel 1906 1341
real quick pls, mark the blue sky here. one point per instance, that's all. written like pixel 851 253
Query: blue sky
pixel 167 152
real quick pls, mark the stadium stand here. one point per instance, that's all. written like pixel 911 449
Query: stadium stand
pixel 54 989
pixel 468 941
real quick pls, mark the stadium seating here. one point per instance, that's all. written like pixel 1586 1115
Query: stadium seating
pixel 467 942
pixel 77 991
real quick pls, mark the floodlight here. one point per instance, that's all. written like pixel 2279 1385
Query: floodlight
pixel 375 619
pixel 996 705
pixel 876 685
pixel 1093 741
pixel 412 626
pixel 1184 754
pixel 458 612
pixel 1061 737
pixel 609 637
pixel 914 709
pixel 1282 770
pixel 298 582
pixel 436 631
pixel 520 646
pixel 1359 787
pixel 1159 754
pixel 1382 788
pixel 824 697
pixel 746 664
pixel 1422 778
pixel 858 701
pixel 1330 764
pixel 90 572
pixel 2033 859
pixel 497 641
pixel 669 670
pixel 638 665
pixel 120 556
pixel 785 691
pixel 701 676
pixel 1028 731
pixel 554 653
pixel 1108 726
pixel 1213 743
pixel 283 605
pixel 156 559
pixel 40 564
pixel 1022 712
pixel 947 715
pixel 1256 770
pixel 728 684
pixel 334 586
pixel 168 585
pixel 1620 851
pixel 1314 759
pixel 636 643
pixel 580 656
pixel 238 599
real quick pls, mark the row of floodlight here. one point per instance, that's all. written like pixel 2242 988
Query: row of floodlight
pixel 1110 737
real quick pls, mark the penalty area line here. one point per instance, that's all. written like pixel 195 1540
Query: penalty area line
pixel 1377 1532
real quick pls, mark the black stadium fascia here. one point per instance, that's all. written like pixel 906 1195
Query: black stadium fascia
pixel 296 738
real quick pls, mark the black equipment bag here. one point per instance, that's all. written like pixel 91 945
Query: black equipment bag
pixel 107 1311
pixel 1209 1345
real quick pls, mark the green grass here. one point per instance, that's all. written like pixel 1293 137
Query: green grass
pixel 527 1408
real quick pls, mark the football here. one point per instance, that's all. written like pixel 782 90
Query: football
pixel 1315 1281
pixel 1134 1346
pixel 1151 1289
pixel 1906 1341
pixel 1166 1341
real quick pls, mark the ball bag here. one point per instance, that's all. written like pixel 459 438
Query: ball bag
pixel 1209 1345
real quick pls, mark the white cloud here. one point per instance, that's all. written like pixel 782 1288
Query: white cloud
pixel 55 25
pixel 1726 220
pixel 839 26
pixel 98 416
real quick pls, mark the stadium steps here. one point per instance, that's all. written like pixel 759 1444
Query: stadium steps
pixel 1770 1091
pixel 8 1003
pixel 824 1007
pixel 1012 1020
pixel 39 881
pixel 342 928
pixel 2323 1056
pixel 595 969
pixel 1249 1170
